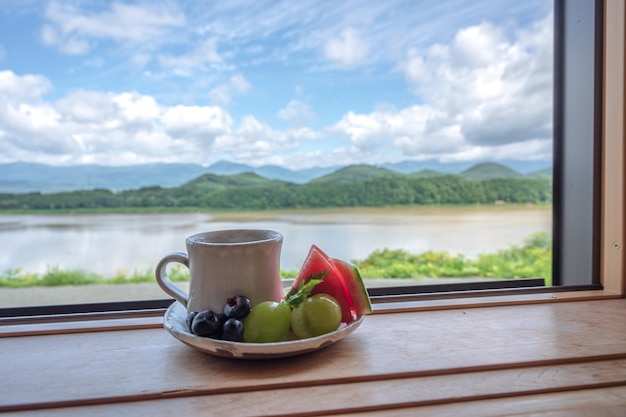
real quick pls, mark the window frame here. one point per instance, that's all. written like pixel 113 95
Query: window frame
pixel 605 267
pixel 613 185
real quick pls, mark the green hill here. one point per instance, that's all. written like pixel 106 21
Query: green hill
pixel 216 182
pixel 489 170
pixel 425 173
pixel 356 173
pixel 542 173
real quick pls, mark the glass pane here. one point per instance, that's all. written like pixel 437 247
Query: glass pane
pixel 416 138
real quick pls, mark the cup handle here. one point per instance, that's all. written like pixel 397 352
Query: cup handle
pixel 165 282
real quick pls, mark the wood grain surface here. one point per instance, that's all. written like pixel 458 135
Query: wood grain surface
pixel 392 361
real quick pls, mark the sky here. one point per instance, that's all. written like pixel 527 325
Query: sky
pixel 291 83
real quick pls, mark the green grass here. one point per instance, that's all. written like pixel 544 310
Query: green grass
pixel 55 277
pixel 533 259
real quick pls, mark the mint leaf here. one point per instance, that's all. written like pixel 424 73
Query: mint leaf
pixel 297 296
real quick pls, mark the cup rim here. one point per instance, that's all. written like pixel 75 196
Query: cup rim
pixel 256 236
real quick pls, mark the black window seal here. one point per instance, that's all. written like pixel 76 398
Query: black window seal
pixel 85 311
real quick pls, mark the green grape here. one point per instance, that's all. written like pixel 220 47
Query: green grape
pixel 317 315
pixel 267 322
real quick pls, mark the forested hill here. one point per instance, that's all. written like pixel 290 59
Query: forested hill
pixel 356 173
pixel 349 187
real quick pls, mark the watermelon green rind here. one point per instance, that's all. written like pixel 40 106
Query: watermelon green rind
pixel 355 285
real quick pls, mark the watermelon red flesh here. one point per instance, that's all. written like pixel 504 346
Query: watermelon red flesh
pixel 333 285
pixel 355 285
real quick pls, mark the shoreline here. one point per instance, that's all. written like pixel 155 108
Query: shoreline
pixel 235 212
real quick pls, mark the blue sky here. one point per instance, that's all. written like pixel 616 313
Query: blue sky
pixel 293 83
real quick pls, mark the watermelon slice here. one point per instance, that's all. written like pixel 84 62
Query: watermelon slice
pixel 356 287
pixel 317 261
pixel 343 282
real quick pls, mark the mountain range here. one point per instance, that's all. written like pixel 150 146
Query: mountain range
pixel 22 177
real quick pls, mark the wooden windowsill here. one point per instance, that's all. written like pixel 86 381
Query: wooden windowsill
pixel 544 357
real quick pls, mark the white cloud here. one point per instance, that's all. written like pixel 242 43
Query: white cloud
pixel 534 149
pixel 346 50
pixel 137 108
pixel 221 95
pixel 121 128
pixel 239 84
pixel 40 121
pixel 203 56
pixel 196 123
pixel 254 141
pixel 249 141
pixel 69 44
pixel 71 29
pixel 498 90
pixel 416 130
pixel 336 156
pixel 478 46
pixel 27 123
pixel 297 112
pixel 485 96
pixel 22 88
pixel 87 107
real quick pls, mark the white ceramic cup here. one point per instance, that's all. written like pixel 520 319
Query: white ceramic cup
pixel 226 263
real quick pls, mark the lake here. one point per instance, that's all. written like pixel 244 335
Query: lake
pixel 105 243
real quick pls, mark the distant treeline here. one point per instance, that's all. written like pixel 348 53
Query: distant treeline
pixel 251 192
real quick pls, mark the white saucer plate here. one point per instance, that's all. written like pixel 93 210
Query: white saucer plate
pixel 174 323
